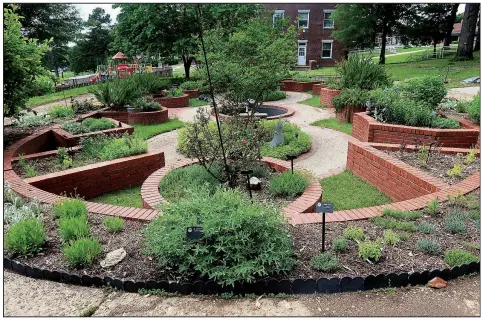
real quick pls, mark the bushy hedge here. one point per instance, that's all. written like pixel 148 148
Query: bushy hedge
pixel 242 240
pixel 428 89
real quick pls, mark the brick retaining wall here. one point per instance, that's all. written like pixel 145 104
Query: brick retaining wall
pixel 346 114
pixel 291 85
pixel 317 87
pixel 193 94
pixel 151 117
pixel 172 102
pixel 327 95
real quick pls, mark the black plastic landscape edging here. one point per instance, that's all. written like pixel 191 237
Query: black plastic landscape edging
pixel 298 286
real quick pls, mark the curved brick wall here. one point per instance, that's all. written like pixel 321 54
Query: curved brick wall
pixel 151 117
pixel 289 112
pixel 291 85
pixel 366 128
pixel 327 95
pixel 172 102
pixel 346 115
pixel 192 93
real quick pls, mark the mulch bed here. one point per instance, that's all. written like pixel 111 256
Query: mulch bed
pixel 307 243
pixel 439 164
pixel 13 134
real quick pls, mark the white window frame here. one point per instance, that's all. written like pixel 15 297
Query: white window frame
pixel 331 49
pixel 277 13
pixel 328 11
pixel 307 20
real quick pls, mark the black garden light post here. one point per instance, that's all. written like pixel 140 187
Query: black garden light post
pixel 291 157
pixel 247 173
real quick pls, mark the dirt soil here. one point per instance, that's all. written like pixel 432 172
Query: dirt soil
pixel 439 164
pixel 13 134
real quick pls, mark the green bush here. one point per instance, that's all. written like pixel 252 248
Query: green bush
pixel 82 252
pixel 340 244
pixel 444 123
pixel 295 143
pixel 146 105
pixel 363 73
pixel 401 215
pixel 117 94
pixel 63 112
pixel 73 228
pixel 371 250
pixel 42 85
pixel 25 237
pixel 390 223
pixel 426 228
pixel 190 85
pixel 456 257
pixel 325 262
pixel 75 128
pixel 427 89
pixel 349 98
pixel 390 237
pixel 455 222
pixel 474 109
pixel 94 124
pixel 287 184
pixel 433 207
pixel 32 121
pixel 69 208
pixel 114 224
pixel 242 240
pixel 261 170
pixel 175 184
pixel 274 95
pixel 174 92
pixel 428 246
pixel 354 233
pixel 126 146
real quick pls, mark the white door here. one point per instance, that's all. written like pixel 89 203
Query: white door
pixel 301 54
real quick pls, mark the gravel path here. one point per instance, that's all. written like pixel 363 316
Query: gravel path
pixel 29 297
pixel 463 94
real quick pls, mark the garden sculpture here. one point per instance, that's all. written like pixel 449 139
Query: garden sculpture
pixel 278 138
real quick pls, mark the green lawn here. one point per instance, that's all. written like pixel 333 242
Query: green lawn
pixel 314 101
pixel 57 96
pixel 197 103
pixel 130 197
pixel 335 124
pixel 346 191
pixel 146 131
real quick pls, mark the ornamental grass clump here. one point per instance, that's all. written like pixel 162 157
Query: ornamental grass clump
pixel 325 262
pixel 114 224
pixel 25 237
pixel 73 228
pixel 289 184
pixel 69 208
pixel 456 257
pixel 242 240
pixel 82 252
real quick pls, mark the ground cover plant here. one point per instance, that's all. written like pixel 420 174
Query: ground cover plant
pixel 129 197
pixel 197 103
pixel 314 101
pixel 274 95
pixel 64 112
pixel 295 143
pixel 335 124
pixel 88 125
pixel 347 191
pixel 289 184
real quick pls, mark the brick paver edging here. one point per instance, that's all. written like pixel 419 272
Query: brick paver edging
pixel 367 129
pixel 289 112
pixel 151 196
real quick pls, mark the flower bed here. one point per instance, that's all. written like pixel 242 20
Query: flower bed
pixel 366 128
pixel 192 93
pixel 292 85
pixel 327 95
pixel 172 102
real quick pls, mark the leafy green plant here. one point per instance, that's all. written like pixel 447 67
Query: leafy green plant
pixel 146 105
pixel 455 222
pixel 226 252
pixel 457 200
pixel 390 237
pixel 190 85
pixel 456 257
pixel 474 214
pixel 43 84
pixel 401 215
pixel 30 171
pixel 75 128
pixel 288 184
pixel 69 208
pixel 474 109
pixel 81 107
pixel 428 246
pixel 433 207
pixel 423 154
pixel 350 98
pixel 73 228
pixel 21 160
pixel 455 171
pixel 174 92
pixel 126 146
pixel 363 73
pixel 354 233
pixel 61 155
pixel 274 95
pixel 25 237
pixel 114 224
pixel 426 228
pixel 63 112
pixel 370 250
pixel 390 223
pixel 100 124
pixel 471 156
pixel 429 89
pixel 15 208
pixel 82 252
pixel 325 262
pixel 340 244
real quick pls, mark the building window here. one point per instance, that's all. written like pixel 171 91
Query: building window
pixel 278 14
pixel 303 18
pixel 328 22
pixel 326 49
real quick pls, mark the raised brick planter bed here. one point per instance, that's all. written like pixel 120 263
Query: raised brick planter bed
pixel 327 95
pixel 317 88
pixel 172 102
pixel 346 114
pixel 192 93
pixel 291 85
pixel 151 197
pixel 288 112
pixel 366 128
pixel 151 117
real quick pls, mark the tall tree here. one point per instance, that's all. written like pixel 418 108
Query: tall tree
pixel 477 36
pixel 359 24
pixel 450 24
pixel 57 21
pixel 467 34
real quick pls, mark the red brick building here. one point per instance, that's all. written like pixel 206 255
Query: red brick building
pixel 315 41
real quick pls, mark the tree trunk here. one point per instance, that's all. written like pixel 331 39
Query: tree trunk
pixel 467 34
pixel 477 36
pixel 384 44
pixel 187 65
pixel 450 25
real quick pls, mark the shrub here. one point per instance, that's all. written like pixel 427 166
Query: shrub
pixel 428 246
pixel 94 124
pixel 73 228
pixel 274 95
pixel 402 215
pixel 295 143
pixel 227 252
pixel 390 223
pixel 456 257
pixel 426 228
pixel 444 123
pixel 362 73
pixel 119 93
pixel 474 109
pixel 42 85
pixel 81 107
pixel 427 89
pixel 455 222
pixel 433 207
pixel 75 128
pixel 25 237
pixel 371 250
pixel 82 252
pixel 174 92
pixel 340 244
pixel 63 112
pixel 189 85
pixel 32 121
pixel 349 98
pixel 325 262
pixel 69 208
pixel 146 105
pixel 114 224
pixel 61 155
pixel 261 170
pixel 287 184
pixel 354 233
pixel 390 237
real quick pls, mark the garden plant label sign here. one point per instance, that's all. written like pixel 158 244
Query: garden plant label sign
pixel 324 207
pixel 194 233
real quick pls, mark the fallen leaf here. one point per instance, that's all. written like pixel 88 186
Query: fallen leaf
pixel 437 283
